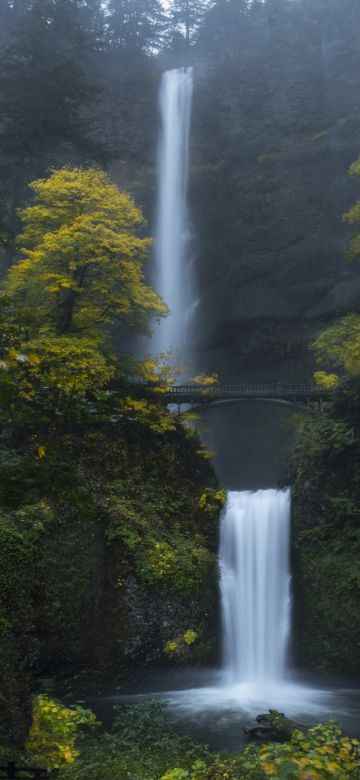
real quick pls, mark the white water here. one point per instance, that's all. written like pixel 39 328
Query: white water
pixel 255 585
pixel 254 552
pixel 255 594
pixel 172 233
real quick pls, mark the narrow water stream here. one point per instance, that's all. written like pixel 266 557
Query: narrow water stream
pixel 172 277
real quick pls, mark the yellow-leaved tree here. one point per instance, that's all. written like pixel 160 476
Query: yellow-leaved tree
pixel 83 249
pixel 55 731
pixel 339 345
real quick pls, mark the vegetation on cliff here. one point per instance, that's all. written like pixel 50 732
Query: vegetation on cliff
pixel 275 125
pixel 326 500
pixel 108 556
pixel 109 506
pixel 339 345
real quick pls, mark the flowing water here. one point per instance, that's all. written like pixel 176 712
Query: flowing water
pixel 172 274
pixel 255 585
pixel 215 706
pixel 255 530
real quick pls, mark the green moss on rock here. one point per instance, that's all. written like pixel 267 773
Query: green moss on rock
pixel 16 624
pixel 326 537
pixel 108 551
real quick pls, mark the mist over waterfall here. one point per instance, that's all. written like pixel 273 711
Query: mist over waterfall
pixel 172 233
pixel 255 585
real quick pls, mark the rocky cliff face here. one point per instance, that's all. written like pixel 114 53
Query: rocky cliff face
pixel 113 545
pixel 276 125
pixel 325 488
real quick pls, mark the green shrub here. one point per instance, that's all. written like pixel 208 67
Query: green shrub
pixel 55 731
pixel 320 754
pixel 140 746
pixel 326 539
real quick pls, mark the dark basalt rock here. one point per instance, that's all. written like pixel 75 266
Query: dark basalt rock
pixel 274 725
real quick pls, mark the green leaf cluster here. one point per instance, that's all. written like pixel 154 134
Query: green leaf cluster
pixel 339 345
pixel 322 753
pixel 82 514
pixel 142 746
pixel 180 646
pixel 326 540
pixel 55 730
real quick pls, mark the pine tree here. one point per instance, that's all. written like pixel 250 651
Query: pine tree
pixel 186 17
pixel 135 24
pixel 44 88
pixel 223 24
pixel 47 101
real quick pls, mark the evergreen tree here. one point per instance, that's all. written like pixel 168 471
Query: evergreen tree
pixel 47 100
pixel 223 23
pixel 135 24
pixel 44 88
pixel 186 17
pixel 92 16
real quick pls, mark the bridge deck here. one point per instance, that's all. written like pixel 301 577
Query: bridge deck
pixel 182 394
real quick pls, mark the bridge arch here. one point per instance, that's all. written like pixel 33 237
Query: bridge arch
pixel 300 396
pixel 223 401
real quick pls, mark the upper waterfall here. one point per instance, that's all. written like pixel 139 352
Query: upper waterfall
pixel 255 584
pixel 172 232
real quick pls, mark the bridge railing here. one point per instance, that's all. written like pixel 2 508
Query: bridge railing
pixel 277 390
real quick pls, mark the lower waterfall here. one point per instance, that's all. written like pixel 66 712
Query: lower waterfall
pixel 256 612
pixel 255 585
